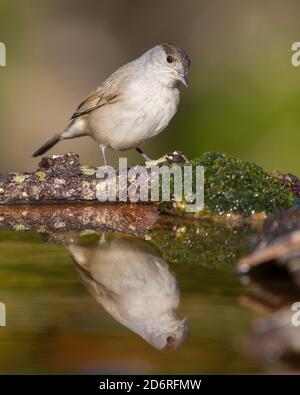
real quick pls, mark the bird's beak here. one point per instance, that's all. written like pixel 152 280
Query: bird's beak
pixel 183 78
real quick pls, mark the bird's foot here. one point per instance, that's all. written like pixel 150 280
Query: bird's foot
pixel 172 158
pixel 155 162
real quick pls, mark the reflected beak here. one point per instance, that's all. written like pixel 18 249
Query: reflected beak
pixel 183 78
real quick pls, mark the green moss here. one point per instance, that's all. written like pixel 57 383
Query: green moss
pixel 19 178
pixel 234 185
pixel 88 171
pixel 41 175
pixel 206 243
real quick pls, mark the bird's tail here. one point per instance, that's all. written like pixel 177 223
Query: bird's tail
pixel 50 143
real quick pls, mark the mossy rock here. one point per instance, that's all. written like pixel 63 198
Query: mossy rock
pixel 207 243
pixel 238 186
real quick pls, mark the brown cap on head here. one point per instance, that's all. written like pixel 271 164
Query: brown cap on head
pixel 177 53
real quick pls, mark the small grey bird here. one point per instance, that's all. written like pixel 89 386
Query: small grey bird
pixel 133 284
pixel 132 105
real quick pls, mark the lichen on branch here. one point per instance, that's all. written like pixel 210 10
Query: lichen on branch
pixel 231 185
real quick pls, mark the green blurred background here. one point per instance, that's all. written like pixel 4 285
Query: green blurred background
pixel 244 94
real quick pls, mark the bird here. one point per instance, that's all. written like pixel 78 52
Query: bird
pixel 132 105
pixel 133 284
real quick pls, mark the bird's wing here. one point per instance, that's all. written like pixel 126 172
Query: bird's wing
pixel 95 288
pixel 107 93
pixel 95 100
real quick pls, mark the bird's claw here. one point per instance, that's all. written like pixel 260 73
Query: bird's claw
pixel 173 158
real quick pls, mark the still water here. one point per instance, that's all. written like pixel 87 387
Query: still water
pixel 106 302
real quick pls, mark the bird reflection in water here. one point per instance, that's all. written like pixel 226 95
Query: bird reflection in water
pixel 134 285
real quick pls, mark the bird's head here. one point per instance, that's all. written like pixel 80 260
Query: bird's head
pixel 171 62
pixel 169 337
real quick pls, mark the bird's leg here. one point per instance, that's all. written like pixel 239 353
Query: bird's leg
pixel 151 163
pixel 148 161
pixel 103 153
pixel 102 239
pixel 145 156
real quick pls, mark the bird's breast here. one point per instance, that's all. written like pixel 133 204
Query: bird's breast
pixel 154 108
pixel 141 113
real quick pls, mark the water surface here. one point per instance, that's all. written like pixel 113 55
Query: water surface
pixel 67 313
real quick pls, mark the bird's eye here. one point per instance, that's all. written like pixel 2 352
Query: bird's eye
pixel 170 339
pixel 170 59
